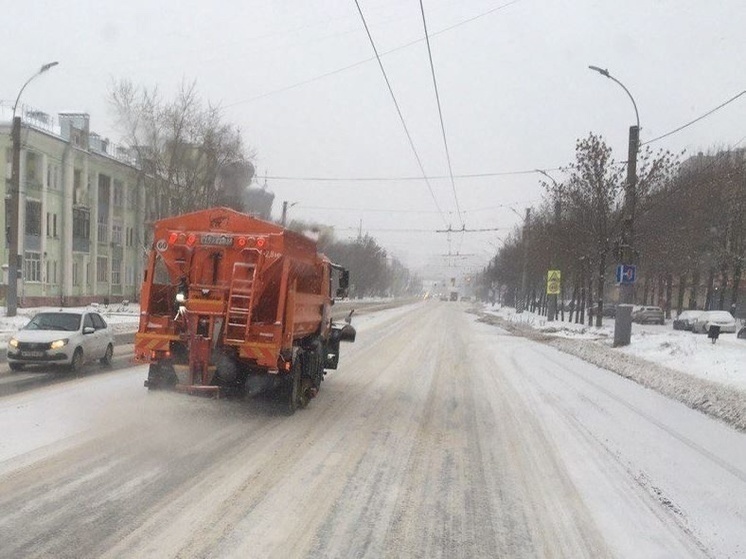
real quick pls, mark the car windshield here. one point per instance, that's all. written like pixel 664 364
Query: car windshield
pixel 68 322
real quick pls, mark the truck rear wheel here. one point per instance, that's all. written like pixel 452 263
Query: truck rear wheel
pixel 160 376
pixel 294 396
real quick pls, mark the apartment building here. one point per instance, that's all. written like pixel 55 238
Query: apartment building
pixel 81 213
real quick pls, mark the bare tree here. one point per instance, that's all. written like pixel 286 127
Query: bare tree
pixel 182 147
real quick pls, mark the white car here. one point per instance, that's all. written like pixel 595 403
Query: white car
pixel 715 318
pixel 69 338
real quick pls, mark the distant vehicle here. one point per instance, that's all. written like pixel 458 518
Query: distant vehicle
pixel 715 318
pixel 62 338
pixel 685 321
pixel 609 310
pixel 648 315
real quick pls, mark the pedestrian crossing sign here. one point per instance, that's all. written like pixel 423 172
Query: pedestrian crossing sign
pixel 553 282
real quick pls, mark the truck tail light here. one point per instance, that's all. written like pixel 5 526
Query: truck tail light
pixel 173 237
pixel 261 241
pixel 191 239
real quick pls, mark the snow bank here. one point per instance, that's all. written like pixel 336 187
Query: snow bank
pixel 686 367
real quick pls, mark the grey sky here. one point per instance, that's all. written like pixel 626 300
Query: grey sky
pixel 514 84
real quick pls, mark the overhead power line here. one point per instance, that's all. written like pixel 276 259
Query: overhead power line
pixel 405 178
pixel 361 62
pixel 398 210
pixel 398 111
pixel 708 113
pixel 440 113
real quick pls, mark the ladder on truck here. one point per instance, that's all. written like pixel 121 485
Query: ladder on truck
pixel 240 300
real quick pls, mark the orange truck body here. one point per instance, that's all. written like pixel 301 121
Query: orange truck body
pixel 231 304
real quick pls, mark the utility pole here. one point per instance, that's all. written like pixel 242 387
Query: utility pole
pixel 630 204
pixel 14 259
pixel 623 315
pixel 284 217
pixel 13 233
pixel 623 318
pixel 526 227
pixel 552 299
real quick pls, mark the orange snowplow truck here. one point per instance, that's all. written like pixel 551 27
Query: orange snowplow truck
pixel 233 306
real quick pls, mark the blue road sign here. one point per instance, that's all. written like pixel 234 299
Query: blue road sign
pixel 626 273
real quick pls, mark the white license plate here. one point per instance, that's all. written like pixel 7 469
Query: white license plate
pixel 32 354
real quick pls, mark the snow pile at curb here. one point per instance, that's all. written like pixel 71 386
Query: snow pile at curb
pixel 717 400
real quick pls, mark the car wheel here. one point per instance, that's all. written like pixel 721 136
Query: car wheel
pixel 106 359
pixel 15 366
pixel 78 361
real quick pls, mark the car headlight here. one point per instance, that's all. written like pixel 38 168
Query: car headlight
pixel 57 344
pixel 13 342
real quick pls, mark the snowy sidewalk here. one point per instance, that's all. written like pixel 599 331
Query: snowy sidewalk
pixel 682 365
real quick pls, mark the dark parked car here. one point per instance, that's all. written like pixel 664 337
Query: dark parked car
pixel 648 315
pixel 686 320
pixel 609 310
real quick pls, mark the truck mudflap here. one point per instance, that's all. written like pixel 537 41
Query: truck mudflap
pixel 338 334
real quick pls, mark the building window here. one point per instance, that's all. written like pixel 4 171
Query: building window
pixel 130 236
pixel 33 217
pixel 81 224
pixel 118 194
pixel 102 269
pixel 32 266
pixel 116 272
pixel 51 225
pixel 76 273
pixel 103 230
pixel 32 163
pixel 116 233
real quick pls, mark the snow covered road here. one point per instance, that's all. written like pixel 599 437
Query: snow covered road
pixel 438 437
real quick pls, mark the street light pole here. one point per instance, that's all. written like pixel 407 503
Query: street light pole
pixel 552 299
pixel 623 315
pixel 14 264
pixel 285 207
pixel 524 272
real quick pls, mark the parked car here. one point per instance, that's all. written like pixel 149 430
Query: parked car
pixel 646 315
pixel 715 318
pixel 685 321
pixel 609 310
pixel 68 338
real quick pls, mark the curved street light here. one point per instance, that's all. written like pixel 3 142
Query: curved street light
pixel 623 320
pixel 606 73
pixel 15 198
pixel 43 69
